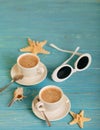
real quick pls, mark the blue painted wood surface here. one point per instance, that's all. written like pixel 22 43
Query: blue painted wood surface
pixel 67 24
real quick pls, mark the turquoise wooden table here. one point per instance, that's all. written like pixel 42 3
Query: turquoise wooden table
pixel 67 24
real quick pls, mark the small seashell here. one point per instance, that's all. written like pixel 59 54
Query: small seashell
pixel 18 95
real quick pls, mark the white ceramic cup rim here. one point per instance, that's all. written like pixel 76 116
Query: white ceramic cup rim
pixel 20 56
pixel 51 86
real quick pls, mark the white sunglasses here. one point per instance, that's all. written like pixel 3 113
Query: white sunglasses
pixel 64 71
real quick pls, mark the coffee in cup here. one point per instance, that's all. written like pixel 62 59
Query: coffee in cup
pixel 51 98
pixel 51 95
pixel 28 61
pixel 28 64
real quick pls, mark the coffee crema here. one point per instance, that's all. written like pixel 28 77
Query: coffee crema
pixel 51 95
pixel 28 61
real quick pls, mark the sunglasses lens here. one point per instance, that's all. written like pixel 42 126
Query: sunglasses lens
pixel 64 72
pixel 83 62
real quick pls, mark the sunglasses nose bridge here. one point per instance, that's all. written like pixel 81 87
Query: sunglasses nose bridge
pixel 74 70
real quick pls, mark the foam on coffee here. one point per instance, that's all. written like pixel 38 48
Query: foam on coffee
pixel 28 61
pixel 51 95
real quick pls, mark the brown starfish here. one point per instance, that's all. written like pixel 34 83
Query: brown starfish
pixel 79 118
pixel 35 47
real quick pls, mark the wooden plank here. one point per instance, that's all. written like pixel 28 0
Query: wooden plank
pixel 67 24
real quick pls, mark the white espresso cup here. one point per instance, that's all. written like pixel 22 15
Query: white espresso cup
pixel 50 98
pixel 28 64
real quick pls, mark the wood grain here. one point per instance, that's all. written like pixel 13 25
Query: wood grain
pixel 67 24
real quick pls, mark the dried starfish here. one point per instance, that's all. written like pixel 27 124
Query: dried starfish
pixel 79 118
pixel 35 47
pixel 18 95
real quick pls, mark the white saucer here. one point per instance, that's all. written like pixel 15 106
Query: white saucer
pixel 35 79
pixel 54 115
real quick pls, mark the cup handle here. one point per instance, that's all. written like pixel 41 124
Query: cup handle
pixel 67 101
pixel 40 70
pixel 40 106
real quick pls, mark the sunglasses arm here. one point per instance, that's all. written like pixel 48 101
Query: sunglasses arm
pixel 57 48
